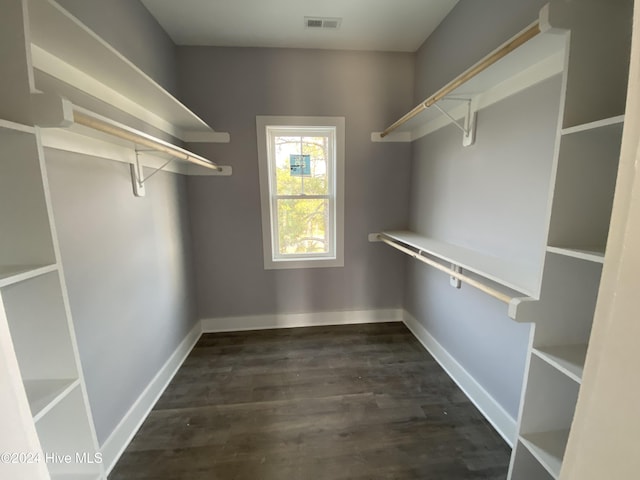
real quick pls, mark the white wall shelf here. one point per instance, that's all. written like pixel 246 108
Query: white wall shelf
pixel 611 125
pixel 568 359
pixel 43 395
pixel 17 127
pixel 15 274
pixel 66 49
pixel 537 59
pixel 548 448
pixel 516 276
pixel 590 255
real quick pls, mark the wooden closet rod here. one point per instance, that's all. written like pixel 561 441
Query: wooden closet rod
pixel 460 276
pixel 483 64
pixel 97 122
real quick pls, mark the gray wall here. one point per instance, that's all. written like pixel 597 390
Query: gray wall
pixel 491 196
pixel 128 271
pixel 228 87
pixel 129 27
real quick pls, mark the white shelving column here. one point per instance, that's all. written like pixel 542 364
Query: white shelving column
pixel 595 75
pixel 43 392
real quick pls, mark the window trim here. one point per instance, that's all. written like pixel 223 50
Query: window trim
pixel 264 121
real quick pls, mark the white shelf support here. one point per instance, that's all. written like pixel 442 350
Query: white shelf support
pixel 468 127
pixel 137 177
pixel 454 281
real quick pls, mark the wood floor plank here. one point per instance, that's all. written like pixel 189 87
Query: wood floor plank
pixel 341 402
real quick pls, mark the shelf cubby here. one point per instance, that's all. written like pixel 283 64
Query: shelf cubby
pixel 549 403
pixel 526 466
pixel 40 330
pixel 568 359
pixel 25 242
pixel 585 184
pixel 63 432
pixel 564 313
pixel 548 448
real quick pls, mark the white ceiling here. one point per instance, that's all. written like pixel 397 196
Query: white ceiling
pixel 382 25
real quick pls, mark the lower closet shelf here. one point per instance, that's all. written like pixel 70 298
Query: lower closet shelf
pixel 548 448
pixel 590 254
pixel 43 395
pixel 569 359
pixel 18 273
pixel 520 277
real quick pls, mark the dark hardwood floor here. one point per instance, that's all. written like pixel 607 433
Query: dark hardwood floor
pixel 346 402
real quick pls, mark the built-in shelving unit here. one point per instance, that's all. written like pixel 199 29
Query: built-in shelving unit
pixel 588 150
pixel 588 43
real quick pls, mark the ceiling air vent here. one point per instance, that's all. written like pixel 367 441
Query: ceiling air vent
pixel 322 22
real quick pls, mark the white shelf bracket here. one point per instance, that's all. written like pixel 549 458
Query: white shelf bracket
pixel 468 126
pixel 137 177
pixel 453 281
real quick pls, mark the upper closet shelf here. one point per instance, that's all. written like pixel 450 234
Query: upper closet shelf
pixel 518 278
pixel 526 59
pixel 64 48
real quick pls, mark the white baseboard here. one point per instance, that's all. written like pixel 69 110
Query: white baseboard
pixel 291 320
pixel 504 424
pixel 120 438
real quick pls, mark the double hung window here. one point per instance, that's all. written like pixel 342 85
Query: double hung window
pixel 301 162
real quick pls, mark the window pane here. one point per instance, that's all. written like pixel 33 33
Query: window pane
pixel 285 147
pixel 301 165
pixel 303 226
pixel 318 150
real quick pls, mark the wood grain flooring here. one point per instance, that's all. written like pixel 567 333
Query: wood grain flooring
pixel 345 402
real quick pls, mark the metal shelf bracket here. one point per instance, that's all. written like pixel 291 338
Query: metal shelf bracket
pixel 468 126
pixel 137 177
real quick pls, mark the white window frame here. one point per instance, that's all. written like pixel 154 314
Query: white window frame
pixel 272 260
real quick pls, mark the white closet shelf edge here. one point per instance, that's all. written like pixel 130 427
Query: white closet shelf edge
pixel 44 394
pixel 12 274
pixel 66 49
pixel 515 276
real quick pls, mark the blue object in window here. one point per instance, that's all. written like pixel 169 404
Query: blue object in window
pixel 300 165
